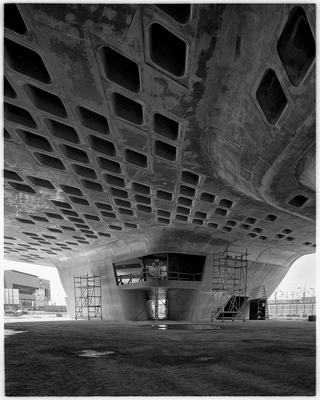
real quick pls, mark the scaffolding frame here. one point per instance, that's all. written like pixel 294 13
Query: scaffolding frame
pixel 229 285
pixel 87 292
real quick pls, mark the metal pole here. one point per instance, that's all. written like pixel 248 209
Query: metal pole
pixel 156 306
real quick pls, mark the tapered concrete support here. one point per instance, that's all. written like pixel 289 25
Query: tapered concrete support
pixel 117 305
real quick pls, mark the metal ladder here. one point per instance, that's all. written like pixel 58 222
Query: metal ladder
pixel 264 295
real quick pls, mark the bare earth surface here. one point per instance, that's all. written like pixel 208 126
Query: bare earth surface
pixel 100 358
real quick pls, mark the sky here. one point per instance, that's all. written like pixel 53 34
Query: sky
pixel 302 274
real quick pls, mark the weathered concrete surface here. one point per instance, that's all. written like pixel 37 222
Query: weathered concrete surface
pixel 252 358
pixel 129 132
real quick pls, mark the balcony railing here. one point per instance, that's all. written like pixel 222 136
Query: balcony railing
pixel 145 277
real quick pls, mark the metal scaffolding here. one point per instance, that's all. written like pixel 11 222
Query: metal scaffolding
pixel 87 291
pixel 229 285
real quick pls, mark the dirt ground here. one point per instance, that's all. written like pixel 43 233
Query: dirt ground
pixel 252 358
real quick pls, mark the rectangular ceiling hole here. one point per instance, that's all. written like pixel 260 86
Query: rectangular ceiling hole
pixel 231 223
pixel 257 230
pixel 271 218
pixel 138 187
pixel 49 161
pixel 71 190
pixel 91 217
pixel 114 180
pixel 25 221
pixel 179 12
pixel 271 97
pixel 36 141
pixel 127 109
pixel 142 199
pixel 134 158
pixel 70 213
pixel 46 101
pixel 189 177
pixel 109 165
pixel 165 150
pixel 78 220
pixel 93 121
pixel 102 146
pixel 25 61
pixel 183 210
pixel 250 221
pixel 62 131
pixel 92 185
pixel 167 50
pixel 22 188
pixel 225 203
pixel 125 211
pixel 279 236
pixel 75 154
pixel 263 237
pixel 296 46
pixel 221 212
pixel 163 213
pixel 84 171
pixel 197 221
pixel 76 200
pixel 252 235
pixel 289 239
pixel 19 116
pixel 61 204
pixel 13 19
pixel 298 201
pixel 145 209
pixel 8 89
pixel 120 69
pixel 307 244
pixel 163 220
pixel 41 182
pixel 122 203
pixel 165 126
pixel 12 175
pixel 115 227
pixel 212 225
pixel 107 214
pixel 286 231
pixel 164 195
pixel 103 206
pixel 184 201
pixel 226 229
pixel 201 215
pixel 187 191
pixel 209 198
pixel 104 234
pixel 119 193
pixel 128 225
pixel 67 228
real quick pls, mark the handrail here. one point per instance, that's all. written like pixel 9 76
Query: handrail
pixel 146 276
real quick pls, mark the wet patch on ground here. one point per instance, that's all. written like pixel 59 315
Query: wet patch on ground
pixel 9 332
pixel 184 327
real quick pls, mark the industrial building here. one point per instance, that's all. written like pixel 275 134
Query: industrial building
pixel 161 157
pixel 25 291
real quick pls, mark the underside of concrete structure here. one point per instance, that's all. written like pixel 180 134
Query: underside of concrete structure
pixel 139 134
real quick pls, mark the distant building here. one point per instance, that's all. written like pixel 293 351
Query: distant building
pixel 25 291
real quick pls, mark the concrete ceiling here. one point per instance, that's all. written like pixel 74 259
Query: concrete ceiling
pixel 136 127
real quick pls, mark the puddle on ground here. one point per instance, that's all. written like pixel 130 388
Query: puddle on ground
pixel 94 353
pixel 9 332
pixel 186 327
